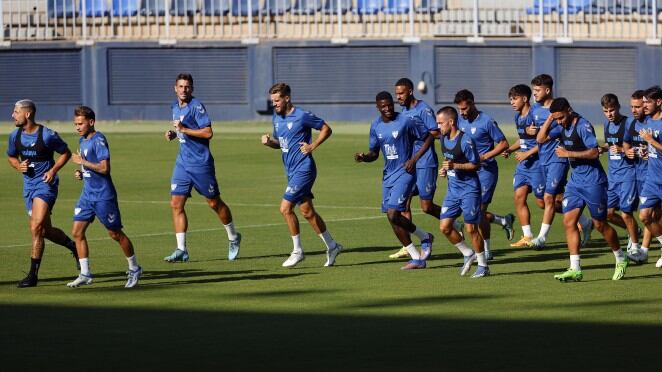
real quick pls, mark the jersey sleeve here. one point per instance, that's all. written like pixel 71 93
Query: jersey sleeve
pixel 373 144
pixel 309 120
pixel 495 132
pixel 101 148
pixel 586 133
pixel 201 116
pixel 417 132
pixel 470 151
pixel 11 148
pixel 429 120
pixel 53 141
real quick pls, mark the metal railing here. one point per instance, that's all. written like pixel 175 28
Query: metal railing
pixel 337 20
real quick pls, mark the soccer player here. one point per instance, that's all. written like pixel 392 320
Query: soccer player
pixel 622 193
pixel 194 168
pixel 528 174
pixel 651 194
pixel 98 198
pixel 427 166
pixel 461 165
pixel 30 151
pixel 490 142
pixel 394 134
pixel 587 186
pixel 292 134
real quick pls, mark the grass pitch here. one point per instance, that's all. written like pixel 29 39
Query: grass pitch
pixel 364 313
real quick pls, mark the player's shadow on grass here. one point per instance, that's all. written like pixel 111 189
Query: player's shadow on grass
pixel 162 339
pixel 419 301
pixel 557 270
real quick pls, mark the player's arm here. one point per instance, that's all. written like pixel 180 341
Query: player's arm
pixel 61 160
pixel 523 155
pixel 410 164
pixel 543 133
pixel 366 157
pixel 500 147
pixel 205 133
pixel 102 167
pixel 648 137
pixel 510 150
pixel 270 142
pixel 325 133
pixel 21 166
pixel 591 153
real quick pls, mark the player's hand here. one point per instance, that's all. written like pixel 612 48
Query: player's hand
pixel 561 152
pixel 359 157
pixel 615 149
pixel 447 165
pixel 643 152
pixel 532 130
pixel 170 135
pixel 506 153
pixel 23 166
pixel 521 156
pixel 442 172
pixel 265 139
pixel 306 148
pixel 49 176
pixel 410 166
pixel 78 174
pixel 630 153
pixel 77 158
pixel 647 135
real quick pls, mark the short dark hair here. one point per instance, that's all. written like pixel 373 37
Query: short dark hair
pixel 520 90
pixel 185 76
pixel 543 80
pixel 654 92
pixel 384 95
pixel 610 100
pixel 85 112
pixel 559 104
pixel 464 95
pixel 281 89
pixel 449 111
pixel 404 82
pixel 638 94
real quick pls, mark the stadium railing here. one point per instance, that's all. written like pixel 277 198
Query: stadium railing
pixel 252 20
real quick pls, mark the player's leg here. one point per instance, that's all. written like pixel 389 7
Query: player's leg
pixel 78 232
pixel 488 182
pixel 649 214
pixel 181 185
pixel 426 184
pixel 522 190
pixel 402 226
pixel 297 254
pixel 407 211
pixel 573 205
pixel 613 204
pixel 39 214
pixel 319 226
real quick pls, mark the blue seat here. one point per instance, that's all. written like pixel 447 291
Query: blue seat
pixel 240 7
pixel 586 6
pixel 307 6
pixel 369 6
pixel 183 7
pixel 397 7
pixel 95 8
pixel 61 8
pixel 331 6
pixel 154 7
pixel 276 7
pixel 431 6
pixel 126 8
pixel 217 7
pixel 548 6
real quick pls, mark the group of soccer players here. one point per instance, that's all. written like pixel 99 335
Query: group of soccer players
pixel 552 139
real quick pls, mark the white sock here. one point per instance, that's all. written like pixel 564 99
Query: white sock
pixel 584 221
pixel 421 234
pixel 413 252
pixel 482 261
pixel 499 220
pixel 84 266
pixel 574 262
pixel 296 242
pixel 659 239
pixel 229 228
pixel 464 248
pixel 133 263
pixel 181 241
pixel 620 256
pixel 526 230
pixel 328 240
pixel 544 230
pixel 486 246
pixel 644 250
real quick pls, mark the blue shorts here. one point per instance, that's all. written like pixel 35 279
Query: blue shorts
pixel 467 204
pixel 556 175
pixel 426 183
pixel 107 211
pixel 593 196
pixel 299 186
pixel 488 180
pixel 533 179
pixel 183 181
pixel 623 196
pixel 651 195
pixel 640 186
pixel 395 195
pixel 44 191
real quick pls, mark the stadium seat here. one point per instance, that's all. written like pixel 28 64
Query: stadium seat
pixel 95 8
pixel 431 6
pixel 397 6
pixel 240 7
pixel 183 7
pixel 307 6
pixel 154 7
pixel 548 6
pixel 126 8
pixel 61 8
pixel 369 6
pixel 331 6
pixel 216 7
pixel 276 7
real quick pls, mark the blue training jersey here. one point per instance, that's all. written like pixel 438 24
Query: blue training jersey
pixel 546 151
pixel 484 131
pixel 193 152
pixel 423 116
pixel 396 140
pixel 526 141
pixel 461 181
pixel 638 142
pixel 39 153
pixel 654 155
pixel 580 136
pixel 294 128
pixel 620 167
pixel 96 186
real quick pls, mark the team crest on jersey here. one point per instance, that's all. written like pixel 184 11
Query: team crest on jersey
pixel 77 211
pixel 32 144
pixel 588 127
pixel 473 130
pixel 289 125
pixel 395 134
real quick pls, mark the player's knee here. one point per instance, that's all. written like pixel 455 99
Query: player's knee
pixel 645 216
pixel 600 225
pixel 176 205
pixel 37 228
pixel 214 203
pixel 611 213
pixel 286 210
pixel 77 234
pixel 446 228
pixel 116 235
pixel 393 216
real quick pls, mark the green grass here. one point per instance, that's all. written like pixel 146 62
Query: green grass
pixel 211 314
